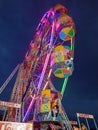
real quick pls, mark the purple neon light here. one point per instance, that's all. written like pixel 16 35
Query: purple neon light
pixel 47 58
pixel 45 66
pixel 29 108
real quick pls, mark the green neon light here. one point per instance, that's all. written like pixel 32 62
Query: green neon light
pixel 64 86
pixel 72 46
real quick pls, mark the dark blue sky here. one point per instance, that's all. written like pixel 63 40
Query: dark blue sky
pixel 18 21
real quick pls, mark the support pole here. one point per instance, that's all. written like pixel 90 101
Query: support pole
pixel 79 122
pixel 95 124
pixel 64 87
pixel 4 114
pixel 87 124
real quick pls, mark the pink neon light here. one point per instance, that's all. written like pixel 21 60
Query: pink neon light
pixel 26 56
pixel 57 25
pixel 47 59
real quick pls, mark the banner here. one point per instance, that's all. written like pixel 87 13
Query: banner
pixel 10 104
pixel 85 115
pixel 15 126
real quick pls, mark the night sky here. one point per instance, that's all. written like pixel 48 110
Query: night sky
pixel 18 21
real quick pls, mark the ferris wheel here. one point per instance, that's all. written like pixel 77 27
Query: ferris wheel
pixel 51 51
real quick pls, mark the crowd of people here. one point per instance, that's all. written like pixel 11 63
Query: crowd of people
pixel 83 127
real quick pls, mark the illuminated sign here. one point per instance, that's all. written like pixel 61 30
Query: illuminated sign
pixel 73 122
pixel 85 115
pixel 15 126
pixel 10 104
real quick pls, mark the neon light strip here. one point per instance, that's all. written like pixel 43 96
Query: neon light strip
pixel 29 108
pixel 49 73
pixel 47 58
pixel 44 69
pixel 52 35
pixel 45 85
pixel 64 86
pixel 48 78
pixel 71 44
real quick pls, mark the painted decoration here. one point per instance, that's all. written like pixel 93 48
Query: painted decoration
pixel 63 18
pixel 62 73
pixel 59 54
pixel 66 33
pixel 45 106
pixel 62 61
